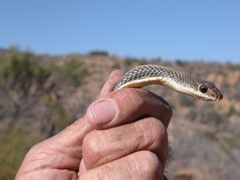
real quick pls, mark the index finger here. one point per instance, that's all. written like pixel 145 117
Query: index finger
pixel 113 78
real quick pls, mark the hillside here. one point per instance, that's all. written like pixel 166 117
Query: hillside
pixel 40 95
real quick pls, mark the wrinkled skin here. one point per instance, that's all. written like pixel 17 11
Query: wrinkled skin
pixel 122 136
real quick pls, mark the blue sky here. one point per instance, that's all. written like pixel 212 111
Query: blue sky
pixel 169 29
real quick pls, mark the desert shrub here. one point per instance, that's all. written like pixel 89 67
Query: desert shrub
pixel 213 118
pixel 116 66
pixel 208 135
pixel 231 66
pixel 229 144
pixel 14 145
pixel 187 101
pixel 98 53
pixel 180 62
pixel 225 86
pixel 207 116
pixel 128 62
pixel 20 72
pixel 142 62
pixel 192 115
pixel 71 72
pixel 58 116
pixel 232 111
pixel 236 94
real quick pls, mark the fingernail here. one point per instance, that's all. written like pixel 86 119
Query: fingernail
pixel 103 112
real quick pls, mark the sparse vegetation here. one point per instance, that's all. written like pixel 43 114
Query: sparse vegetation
pixel 71 72
pixel 29 86
pixel 98 53
pixel 232 111
pixel 128 61
pixel 21 72
pixel 180 62
pixel 228 145
pixel 187 101
pixel 14 144
pixel 41 95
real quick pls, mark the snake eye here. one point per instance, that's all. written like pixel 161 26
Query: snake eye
pixel 203 88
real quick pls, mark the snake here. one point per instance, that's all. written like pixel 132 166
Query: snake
pixel 181 82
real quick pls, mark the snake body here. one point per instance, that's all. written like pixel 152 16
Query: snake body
pixel 181 82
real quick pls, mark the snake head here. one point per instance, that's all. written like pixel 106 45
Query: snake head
pixel 207 90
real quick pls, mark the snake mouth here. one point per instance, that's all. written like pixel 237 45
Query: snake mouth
pixel 220 96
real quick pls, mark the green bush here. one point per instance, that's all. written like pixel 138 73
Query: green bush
pixel 14 145
pixel 71 72
pixel 128 61
pixel 229 144
pixel 192 115
pixel 180 62
pixel 21 71
pixel 231 111
pixel 98 53
pixel 187 101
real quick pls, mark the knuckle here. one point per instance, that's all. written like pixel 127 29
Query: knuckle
pixel 39 147
pixel 158 130
pixel 129 99
pixel 155 137
pixel 154 132
pixel 150 163
pixel 92 146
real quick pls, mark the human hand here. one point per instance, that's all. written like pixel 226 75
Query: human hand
pixel 122 136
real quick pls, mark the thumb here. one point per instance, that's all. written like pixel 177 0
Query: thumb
pixel 74 134
pixel 81 127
